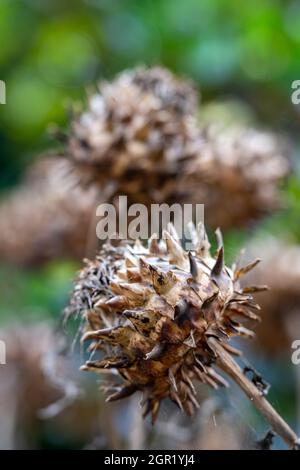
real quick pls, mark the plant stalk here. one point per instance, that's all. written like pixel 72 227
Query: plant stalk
pixel 228 364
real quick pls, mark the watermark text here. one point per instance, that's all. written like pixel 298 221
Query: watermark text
pixel 122 222
pixel 296 353
pixel 2 353
pixel 296 92
pixel 2 92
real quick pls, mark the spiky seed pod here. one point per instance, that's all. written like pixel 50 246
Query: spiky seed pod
pixel 141 137
pixel 137 134
pixel 47 216
pixel 150 312
pixel 280 304
pixel 241 171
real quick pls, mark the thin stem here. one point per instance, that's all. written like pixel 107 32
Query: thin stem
pixel 228 365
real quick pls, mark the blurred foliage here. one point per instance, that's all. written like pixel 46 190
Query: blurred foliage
pixel 34 295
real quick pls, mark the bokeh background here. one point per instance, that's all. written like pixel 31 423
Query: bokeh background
pixel 243 58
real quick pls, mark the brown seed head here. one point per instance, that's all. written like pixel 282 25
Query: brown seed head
pixel 137 133
pixel 241 171
pixel 149 314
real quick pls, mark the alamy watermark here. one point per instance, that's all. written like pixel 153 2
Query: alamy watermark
pixel 2 353
pixel 2 92
pixel 296 93
pixel 122 222
pixel 296 353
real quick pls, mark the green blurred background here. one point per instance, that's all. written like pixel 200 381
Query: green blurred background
pixel 53 51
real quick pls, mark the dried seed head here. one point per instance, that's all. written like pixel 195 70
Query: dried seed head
pixel 133 121
pixel 153 327
pixel 47 216
pixel 141 124
pixel 141 135
pixel 241 170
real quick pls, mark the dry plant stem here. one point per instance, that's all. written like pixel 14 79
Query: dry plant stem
pixel 228 365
